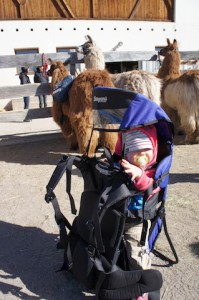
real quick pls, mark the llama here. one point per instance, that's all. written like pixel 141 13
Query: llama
pixel 58 72
pixel 74 116
pixel 93 56
pixel 180 92
pixel 138 81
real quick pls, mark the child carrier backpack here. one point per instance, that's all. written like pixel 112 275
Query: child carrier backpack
pixel 94 245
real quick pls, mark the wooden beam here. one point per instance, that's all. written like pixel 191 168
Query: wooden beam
pixel 116 56
pixel 27 60
pixel 68 9
pixel 189 55
pixel 10 92
pixel 134 9
pixel 59 8
pixel 17 5
pixel 21 4
pixel 91 9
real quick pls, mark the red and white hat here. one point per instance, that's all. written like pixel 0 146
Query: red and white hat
pixel 137 140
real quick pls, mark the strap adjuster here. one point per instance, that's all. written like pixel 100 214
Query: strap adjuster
pixel 49 197
pixel 91 250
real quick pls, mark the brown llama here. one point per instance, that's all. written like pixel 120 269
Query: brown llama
pixel 58 72
pixel 75 115
pixel 180 92
pixel 136 80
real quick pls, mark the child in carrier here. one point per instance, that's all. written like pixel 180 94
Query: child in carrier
pixel 140 154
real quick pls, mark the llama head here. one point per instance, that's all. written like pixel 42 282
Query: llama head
pixel 93 56
pixel 170 47
pixel 55 65
pixel 87 46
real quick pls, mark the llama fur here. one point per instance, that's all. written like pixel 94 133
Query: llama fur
pixel 180 93
pixel 141 82
pixel 75 116
pixel 137 81
pixel 58 72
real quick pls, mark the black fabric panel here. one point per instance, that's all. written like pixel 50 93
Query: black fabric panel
pixel 83 267
pixel 128 284
pixel 111 98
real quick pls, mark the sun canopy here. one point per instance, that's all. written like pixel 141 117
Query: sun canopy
pixel 124 108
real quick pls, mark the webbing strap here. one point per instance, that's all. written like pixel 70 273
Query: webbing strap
pixel 144 233
pixel 65 164
pixel 100 281
pixel 57 174
pixel 69 165
pixel 162 256
pixel 59 217
pixel 98 234
pixel 160 179
pixel 123 142
pixel 109 157
pixel 62 222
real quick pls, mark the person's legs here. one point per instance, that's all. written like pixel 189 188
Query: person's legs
pixel 138 255
pixel 45 100
pixel 40 101
pixel 26 102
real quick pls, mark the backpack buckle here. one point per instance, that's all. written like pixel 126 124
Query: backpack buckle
pixel 49 197
pixel 91 250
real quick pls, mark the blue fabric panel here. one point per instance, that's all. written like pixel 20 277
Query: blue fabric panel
pixel 154 233
pixel 163 168
pixel 142 111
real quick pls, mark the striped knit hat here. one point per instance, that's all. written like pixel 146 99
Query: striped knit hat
pixel 137 140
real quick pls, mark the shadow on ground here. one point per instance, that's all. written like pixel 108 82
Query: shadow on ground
pixel 36 153
pixel 30 255
pixel 182 178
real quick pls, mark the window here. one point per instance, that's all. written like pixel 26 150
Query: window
pixel 66 49
pixel 26 51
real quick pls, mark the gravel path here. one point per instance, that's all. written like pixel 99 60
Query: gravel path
pixel 28 255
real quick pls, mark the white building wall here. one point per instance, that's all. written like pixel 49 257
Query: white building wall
pixel 135 35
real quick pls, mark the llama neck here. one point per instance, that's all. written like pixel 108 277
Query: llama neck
pixel 170 68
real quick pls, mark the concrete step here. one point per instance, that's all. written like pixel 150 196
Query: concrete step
pixel 18 103
pixel 25 114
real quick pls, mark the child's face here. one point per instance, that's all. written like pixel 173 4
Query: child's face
pixel 140 158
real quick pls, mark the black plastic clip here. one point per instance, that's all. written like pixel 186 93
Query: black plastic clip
pixel 49 197
pixel 91 250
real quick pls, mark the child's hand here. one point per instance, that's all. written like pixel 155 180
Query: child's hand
pixel 133 171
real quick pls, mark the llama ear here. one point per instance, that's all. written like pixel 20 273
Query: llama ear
pixel 91 40
pixel 175 44
pixel 168 42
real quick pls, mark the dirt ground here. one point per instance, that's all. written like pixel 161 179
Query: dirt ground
pixel 28 233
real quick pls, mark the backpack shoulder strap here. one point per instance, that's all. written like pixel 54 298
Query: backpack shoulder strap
pixel 64 165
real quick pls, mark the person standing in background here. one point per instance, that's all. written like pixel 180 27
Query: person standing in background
pixel 40 77
pixel 24 79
